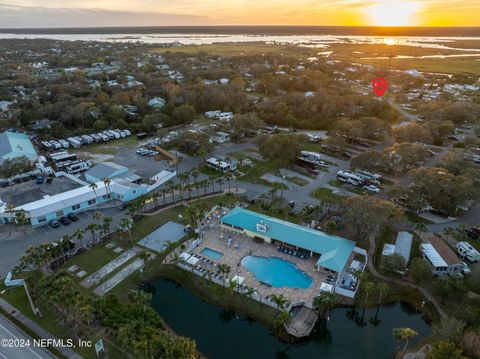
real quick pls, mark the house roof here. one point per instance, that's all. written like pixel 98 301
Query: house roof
pixel 439 253
pixel 444 251
pixel 106 169
pixel 335 251
pixel 403 245
pixel 15 144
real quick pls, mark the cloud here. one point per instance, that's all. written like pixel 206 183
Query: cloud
pixel 14 16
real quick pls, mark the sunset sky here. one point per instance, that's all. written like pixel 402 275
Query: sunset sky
pixel 75 13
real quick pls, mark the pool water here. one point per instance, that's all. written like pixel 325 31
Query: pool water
pixel 277 272
pixel 211 253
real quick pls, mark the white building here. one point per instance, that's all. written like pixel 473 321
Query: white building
pixel 441 257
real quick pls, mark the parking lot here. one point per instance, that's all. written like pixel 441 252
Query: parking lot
pixel 26 192
pixel 126 155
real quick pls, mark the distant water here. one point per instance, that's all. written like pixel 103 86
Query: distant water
pixel 265 30
pixel 318 41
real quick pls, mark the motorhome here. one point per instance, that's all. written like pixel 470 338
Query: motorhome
pixel 466 250
pixel 369 176
pixel 350 177
pixel 79 167
pixel 64 144
pixel 63 156
pixel 73 142
pixel 311 156
pixel 88 139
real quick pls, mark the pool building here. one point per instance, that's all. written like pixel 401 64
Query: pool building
pixel 331 252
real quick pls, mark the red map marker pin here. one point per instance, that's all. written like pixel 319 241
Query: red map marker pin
pixel 379 86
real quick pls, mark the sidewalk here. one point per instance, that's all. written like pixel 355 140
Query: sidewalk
pixel 34 327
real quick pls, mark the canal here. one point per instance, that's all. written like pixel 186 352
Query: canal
pixel 220 333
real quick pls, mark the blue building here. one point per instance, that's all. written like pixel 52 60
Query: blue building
pixel 333 252
pixel 107 170
pixel 15 144
pixel 80 199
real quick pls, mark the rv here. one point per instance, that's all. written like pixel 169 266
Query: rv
pixel 311 156
pixel 55 145
pixel 373 177
pixel 110 135
pixel 63 156
pixel 466 250
pixel 88 139
pixel 47 145
pixel 350 177
pixel 64 144
pixel 96 138
pixel 79 167
pixel 73 142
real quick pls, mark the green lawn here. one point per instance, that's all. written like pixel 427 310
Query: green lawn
pixel 348 188
pixel 91 263
pixel 413 217
pixel 51 322
pixel 108 148
pixel 297 180
pixel 239 49
pixel 327 195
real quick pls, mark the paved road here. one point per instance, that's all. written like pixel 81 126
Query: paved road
pixel 9 331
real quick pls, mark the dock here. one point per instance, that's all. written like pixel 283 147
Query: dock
pixel 302 323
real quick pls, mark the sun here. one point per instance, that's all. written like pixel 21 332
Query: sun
pixel 392 13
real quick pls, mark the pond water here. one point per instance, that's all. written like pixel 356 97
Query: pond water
pixel 220 333
pixel 276 272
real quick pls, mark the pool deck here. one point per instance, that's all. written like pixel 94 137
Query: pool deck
pixel 216 238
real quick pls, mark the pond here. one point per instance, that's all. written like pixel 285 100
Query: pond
pixel 276 272
pixel 220 333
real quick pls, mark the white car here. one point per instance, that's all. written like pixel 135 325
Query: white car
pixel 372 188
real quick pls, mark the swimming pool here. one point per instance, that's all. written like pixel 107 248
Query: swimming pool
pixel 277 272
pixel 212 253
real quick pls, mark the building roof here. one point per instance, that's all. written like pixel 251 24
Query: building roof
pixel 439 253
pixel 158 239
pixel 15 144
pixel 50 204
pixel 403 245
pixel 106 169
pixel 335 251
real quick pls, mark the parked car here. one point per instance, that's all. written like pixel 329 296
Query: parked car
pixel 39 179
pixel 65 221
pixel 472 234
pixel 54 224
pixel 73 217
pixel 372 188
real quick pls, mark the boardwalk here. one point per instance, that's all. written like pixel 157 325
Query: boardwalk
pixel 302 323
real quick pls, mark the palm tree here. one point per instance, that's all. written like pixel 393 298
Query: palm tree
pixel 229 177
pixel 279 300
pixel 249 292
pixel 106 181
pixel 94 187
pixel 403 334
pixel 381 289
pixel 324 303
pixel 98 216
pixel 224 270
pixel 220 182
pixel 141 297
pixel 106 225
pixel 92 227
pixel 79 235
pixel 125 225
